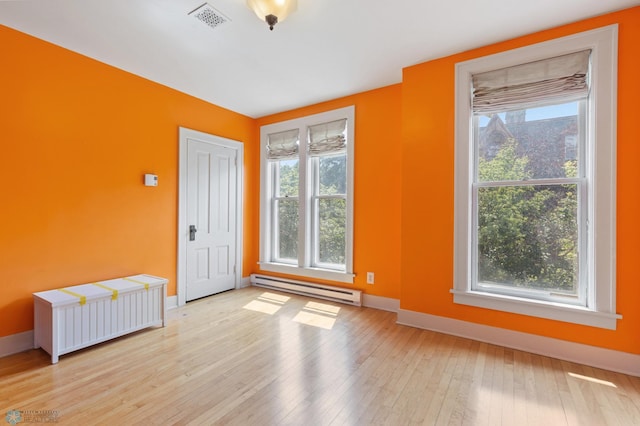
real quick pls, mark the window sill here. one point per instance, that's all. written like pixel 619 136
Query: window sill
pixel 323 274
pixel 540 309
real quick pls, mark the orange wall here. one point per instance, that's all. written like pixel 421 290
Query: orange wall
pixel 427 191
pixel 76 138
pixel 377 184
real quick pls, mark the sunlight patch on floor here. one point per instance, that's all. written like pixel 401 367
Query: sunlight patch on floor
pixel 318 315
pixel 263 307
pixel 322 308
pixel 592 380
pixel 315 320
pixel 267 303
pixel 315 314
pixel 274 298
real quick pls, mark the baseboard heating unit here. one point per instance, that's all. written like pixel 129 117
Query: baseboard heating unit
pixel 335 294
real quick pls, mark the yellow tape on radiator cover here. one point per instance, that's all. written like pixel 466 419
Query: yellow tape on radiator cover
pixel 83 299
pixel 114 292
pixel 146 285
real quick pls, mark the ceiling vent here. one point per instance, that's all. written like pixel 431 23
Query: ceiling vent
pixel 209 15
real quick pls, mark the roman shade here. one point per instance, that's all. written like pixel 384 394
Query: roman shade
pixel 327 138
pixel 283 145
pixel 557 79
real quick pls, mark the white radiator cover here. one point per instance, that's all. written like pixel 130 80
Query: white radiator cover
pixel 76 317
pixel 335 294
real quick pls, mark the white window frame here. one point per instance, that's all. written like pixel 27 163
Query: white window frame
pixel 581 186
pixel 304 266
pixel 600 310
pixel 274 223
pixel 316 197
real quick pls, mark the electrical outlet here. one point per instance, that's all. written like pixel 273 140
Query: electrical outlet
pixel 371 277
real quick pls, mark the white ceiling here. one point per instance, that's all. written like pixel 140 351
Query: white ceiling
pixel 324 50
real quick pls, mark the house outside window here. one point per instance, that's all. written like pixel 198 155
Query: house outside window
pixel 306 211
pixel 535 180
pixel 570 147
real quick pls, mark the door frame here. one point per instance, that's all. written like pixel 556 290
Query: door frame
pixel 183 232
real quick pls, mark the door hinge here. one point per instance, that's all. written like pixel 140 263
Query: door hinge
pixel 234 269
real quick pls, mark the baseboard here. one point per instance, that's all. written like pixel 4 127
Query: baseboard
pixel 245 282
pixel 607 359
pixel 172 302
pixel 379 302
pixel 16 343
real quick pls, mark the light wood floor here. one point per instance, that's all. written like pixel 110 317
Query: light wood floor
pixel 252 357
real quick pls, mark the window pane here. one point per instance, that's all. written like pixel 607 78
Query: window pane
pixel 533 143
pixel 331 230
pixel 287 225
pixel 333 174
pixel 528 237
pixel 287 182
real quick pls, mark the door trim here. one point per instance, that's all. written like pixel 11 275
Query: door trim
pixel 183 231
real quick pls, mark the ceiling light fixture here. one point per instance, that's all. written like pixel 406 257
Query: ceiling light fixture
pixel 273 11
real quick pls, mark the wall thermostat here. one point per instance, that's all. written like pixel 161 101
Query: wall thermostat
pixel 150 180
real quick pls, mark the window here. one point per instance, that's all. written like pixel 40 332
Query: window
pixel 535 180
pixel 307 196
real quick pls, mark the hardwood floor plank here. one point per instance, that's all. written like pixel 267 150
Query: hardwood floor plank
pixel 521 378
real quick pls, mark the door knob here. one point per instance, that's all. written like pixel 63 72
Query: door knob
pixel 192 232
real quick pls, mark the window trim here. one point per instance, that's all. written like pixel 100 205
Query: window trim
pixel 304 268
pixel 601 169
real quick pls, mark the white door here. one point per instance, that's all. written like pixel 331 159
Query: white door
pixel 210 218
